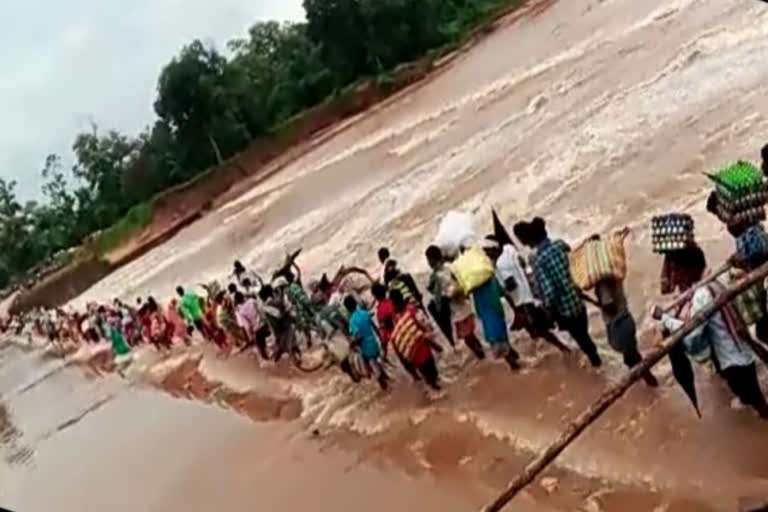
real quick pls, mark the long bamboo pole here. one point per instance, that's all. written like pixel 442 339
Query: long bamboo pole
pixel 722 269
pixel 594 411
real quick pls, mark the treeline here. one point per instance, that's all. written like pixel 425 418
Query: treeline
pixel 210 106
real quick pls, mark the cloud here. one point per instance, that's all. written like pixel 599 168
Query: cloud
pixel 67 64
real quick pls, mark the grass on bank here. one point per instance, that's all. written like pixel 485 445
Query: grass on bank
pixel 123 230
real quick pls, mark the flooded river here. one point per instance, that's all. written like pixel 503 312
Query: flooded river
pixel 593 113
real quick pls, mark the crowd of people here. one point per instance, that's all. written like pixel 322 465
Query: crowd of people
pixel 284 316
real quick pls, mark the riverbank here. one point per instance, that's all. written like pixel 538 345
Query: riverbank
pixel 149 225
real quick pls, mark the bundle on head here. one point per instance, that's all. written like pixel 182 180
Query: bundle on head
pixel 741 193
pixel 672 232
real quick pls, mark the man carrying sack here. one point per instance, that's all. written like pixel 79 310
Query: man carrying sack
pixel 620 326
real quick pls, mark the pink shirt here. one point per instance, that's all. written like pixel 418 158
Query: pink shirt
pixel 248 316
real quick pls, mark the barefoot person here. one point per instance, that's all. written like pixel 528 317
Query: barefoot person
pixel 723 339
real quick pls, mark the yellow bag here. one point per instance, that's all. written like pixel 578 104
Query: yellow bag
pixel 473 269
pixel 596 260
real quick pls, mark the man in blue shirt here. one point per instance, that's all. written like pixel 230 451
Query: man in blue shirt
pixel 365 340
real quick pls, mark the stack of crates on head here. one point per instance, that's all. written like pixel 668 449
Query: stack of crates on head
pixel 741 194
pixel 672 232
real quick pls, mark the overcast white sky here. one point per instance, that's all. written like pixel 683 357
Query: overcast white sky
pixel 67 63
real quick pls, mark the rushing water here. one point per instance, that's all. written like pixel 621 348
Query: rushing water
pixel 593 113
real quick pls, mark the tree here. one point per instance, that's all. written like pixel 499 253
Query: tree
pixel 279 72
pixel 400 30
pixel 57 220
pixel 210 107
pixel 200 109
pixel 20 249
pixel 339 28
pixel 101 165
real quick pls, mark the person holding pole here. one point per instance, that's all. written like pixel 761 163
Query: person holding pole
pixel 723 339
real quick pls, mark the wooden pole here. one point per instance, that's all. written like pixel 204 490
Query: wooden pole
pixel 722 269
pixel 759 349
pixel 594 411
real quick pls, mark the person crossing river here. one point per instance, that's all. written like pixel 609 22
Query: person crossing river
pixel 540 299
pixel 559 293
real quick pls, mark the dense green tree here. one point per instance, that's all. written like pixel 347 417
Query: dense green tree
pixel 100 165
pixel 277 72
pixel 201 111
pixel 210 106
pixel 338 26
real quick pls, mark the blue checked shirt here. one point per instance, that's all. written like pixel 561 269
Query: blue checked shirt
pixel 552 272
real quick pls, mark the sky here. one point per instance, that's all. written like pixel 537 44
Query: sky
pixel 68 63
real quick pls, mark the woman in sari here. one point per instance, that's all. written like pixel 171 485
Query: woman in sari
pixel 411 339
pixel 180 330
pixel 490 310
pixel 120 346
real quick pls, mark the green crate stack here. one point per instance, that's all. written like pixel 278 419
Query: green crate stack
pixel 742 194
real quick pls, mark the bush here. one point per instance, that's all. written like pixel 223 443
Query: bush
pixel 134 221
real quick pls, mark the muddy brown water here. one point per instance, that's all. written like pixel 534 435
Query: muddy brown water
pixel 593 113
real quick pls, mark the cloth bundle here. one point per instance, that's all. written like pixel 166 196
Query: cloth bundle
pixel 455 232
pixel 596 260
pixel 742 194
pixel 671 232
pixel 472 269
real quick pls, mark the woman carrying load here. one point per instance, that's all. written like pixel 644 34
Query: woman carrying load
pixel 451 302
pixel 489 308
pixel 751 243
